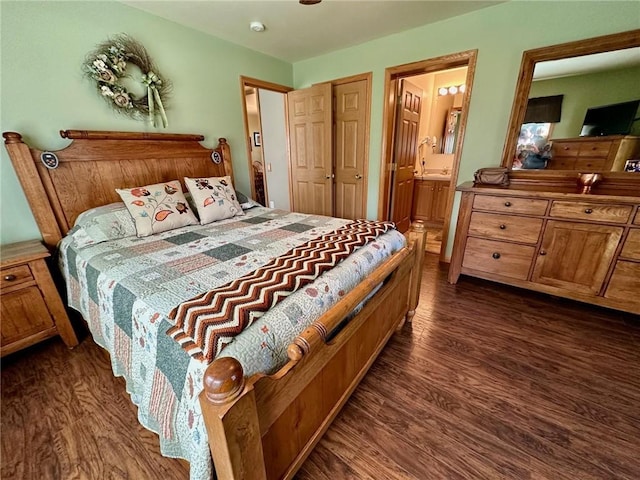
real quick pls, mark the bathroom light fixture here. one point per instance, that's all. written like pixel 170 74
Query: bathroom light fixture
pixel 452 90
pixel 257 26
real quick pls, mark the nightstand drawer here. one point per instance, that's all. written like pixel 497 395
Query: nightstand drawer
pixel 500 258
pixel 528 206
pixel 24 313
pixel 597 212
pixel 15 275
pixel 505 227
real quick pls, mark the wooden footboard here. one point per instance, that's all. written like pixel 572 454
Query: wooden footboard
pixel 265 426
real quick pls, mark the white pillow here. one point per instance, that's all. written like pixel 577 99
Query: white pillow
pixel 101 224
pixel 157 208
pixel 214 198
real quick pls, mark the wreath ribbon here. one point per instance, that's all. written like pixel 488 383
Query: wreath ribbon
pixel 152 81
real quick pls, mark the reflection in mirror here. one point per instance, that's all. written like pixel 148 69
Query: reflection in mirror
pixel 576 107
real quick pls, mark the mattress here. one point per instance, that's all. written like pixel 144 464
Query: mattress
pixel 125 289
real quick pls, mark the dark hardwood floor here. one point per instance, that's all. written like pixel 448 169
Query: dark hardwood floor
pixel 489 382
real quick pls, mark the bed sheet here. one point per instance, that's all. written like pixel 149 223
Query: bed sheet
pixel 125 289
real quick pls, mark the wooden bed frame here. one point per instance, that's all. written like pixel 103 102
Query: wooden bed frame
pixel 263 426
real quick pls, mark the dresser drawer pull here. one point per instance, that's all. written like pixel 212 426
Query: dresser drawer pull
pixel 543 253
pixel 507 204
pixel 9 278
pixel 496 255
pixel 588 211
pixel 503 226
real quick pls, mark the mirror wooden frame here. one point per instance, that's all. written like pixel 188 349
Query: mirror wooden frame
pixel 616 41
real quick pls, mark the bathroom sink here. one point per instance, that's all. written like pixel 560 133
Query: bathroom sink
pixel 433 176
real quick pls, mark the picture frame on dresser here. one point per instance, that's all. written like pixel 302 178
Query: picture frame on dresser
pixel 632 166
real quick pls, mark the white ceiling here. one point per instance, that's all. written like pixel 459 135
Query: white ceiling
pixel 598 62
pixel 296 32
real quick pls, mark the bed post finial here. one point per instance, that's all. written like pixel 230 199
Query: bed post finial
pixel 12 137
pixel 223 380
pixel 231 418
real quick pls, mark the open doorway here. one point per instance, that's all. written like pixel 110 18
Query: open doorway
pixel 420 165
pixel 265 130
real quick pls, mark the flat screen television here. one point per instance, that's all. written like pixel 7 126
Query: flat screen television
pixel 613 119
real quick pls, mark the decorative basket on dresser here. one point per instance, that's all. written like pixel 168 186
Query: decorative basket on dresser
pixel 552 240
pixel 31 307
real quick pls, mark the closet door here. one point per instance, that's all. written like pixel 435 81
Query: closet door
pixel 310 142
pixel 351 138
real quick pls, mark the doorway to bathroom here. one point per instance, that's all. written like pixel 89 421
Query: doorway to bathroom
pixel 425 113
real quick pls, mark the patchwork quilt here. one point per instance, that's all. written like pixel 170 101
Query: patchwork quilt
pixel 126 288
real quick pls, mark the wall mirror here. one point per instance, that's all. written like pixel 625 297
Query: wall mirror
pixel 576 110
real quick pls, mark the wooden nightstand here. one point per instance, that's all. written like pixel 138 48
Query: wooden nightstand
pixel 31 307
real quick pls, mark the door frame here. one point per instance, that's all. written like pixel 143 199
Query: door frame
pixel 248 82
pixel 466 58
pixel 368 77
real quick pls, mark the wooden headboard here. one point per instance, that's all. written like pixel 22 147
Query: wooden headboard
pixel 96 163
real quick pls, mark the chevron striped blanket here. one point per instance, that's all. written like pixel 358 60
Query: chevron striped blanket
pixel 205 324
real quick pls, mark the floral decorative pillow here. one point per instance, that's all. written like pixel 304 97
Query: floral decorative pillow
pixel 100 224
pixel 158 208
pixel 214 198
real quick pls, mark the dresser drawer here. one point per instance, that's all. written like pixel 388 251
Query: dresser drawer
pixel 561 163
pixel 505 227
pixel 631 248
pixel 625 285
pixel 587 165
pixel 594 149
pixel 565 149
pixel 501 258
pixel 528 206
pixel 12 276
pixel 595 212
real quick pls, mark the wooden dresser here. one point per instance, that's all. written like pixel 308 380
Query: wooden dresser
pixel 584 247
pixel 594 154
pixel 31 307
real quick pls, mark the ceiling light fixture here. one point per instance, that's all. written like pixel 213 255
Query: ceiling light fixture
pixel 309 2
pixel 257 26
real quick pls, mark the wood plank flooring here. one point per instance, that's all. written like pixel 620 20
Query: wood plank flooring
pixel 489 382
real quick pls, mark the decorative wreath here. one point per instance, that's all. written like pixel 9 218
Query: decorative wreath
pixel 107 65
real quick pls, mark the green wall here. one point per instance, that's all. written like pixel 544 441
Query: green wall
pixel 44 44
pixel 584 91
pixel 43 91
pixel 500 33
